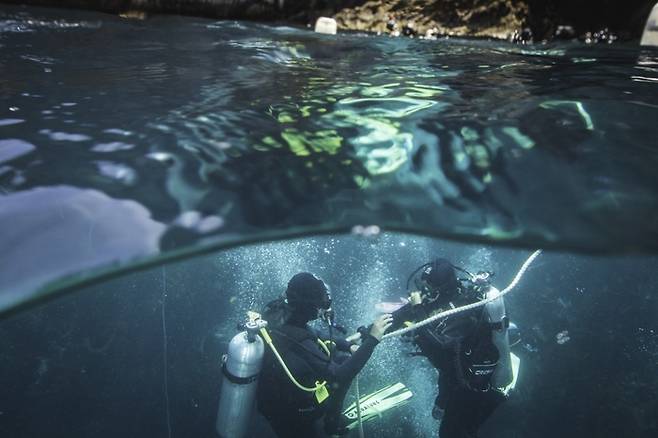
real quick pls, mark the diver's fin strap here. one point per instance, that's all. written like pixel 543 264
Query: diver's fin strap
pixel 375 404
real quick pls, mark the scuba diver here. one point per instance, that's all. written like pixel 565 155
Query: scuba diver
pixel 326 366
pixel 470 349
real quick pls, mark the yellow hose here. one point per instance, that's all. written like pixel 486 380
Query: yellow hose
pixel 268 341
pixel 325 347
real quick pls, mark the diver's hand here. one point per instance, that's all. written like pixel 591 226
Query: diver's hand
pixel 380 325
pixel 415 298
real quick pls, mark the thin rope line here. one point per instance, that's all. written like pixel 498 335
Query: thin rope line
pixel 164 345
pixel 358 406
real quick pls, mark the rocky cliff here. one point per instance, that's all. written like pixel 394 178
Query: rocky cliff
pixel 521 20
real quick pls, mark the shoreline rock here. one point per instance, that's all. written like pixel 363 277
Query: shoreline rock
pixel 519 21
pixel 492 19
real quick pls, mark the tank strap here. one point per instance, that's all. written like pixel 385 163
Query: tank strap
pixel 238 380
pixel 500 325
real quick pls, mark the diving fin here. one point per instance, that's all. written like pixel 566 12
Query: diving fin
pixel 516 363
pixel 375 404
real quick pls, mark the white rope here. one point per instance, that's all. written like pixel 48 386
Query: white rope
pixel 456 310
pixel 358 406
pixel 164 345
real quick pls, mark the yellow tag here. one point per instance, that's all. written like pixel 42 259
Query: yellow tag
pixel 321 394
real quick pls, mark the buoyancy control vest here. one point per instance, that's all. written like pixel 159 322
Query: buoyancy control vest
pixel 485 353
pixel 276 393
pixel 477 357
pixel 473 346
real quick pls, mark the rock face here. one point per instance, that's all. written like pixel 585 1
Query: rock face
pixel 488 18
pixel 512 19
pixel 519 20
pixel 624 18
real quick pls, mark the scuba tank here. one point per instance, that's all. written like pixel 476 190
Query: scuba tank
pixel 499 323
pixel 241 367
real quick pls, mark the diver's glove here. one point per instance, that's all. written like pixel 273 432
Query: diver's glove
pixel 363 330
pixel 409 336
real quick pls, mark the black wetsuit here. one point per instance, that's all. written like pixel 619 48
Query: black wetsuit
pixel 460 348
pixel 291 411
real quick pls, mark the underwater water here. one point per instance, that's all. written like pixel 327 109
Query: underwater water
pixel 140 355
pixel 127 144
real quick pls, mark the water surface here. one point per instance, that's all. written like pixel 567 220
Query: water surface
pixel 122 141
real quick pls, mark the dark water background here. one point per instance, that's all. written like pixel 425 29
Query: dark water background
pixel 122 141
pixel 93 364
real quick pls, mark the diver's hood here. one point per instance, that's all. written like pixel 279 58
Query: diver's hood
pixel 440 278
pixel 307 292
pixel 436 280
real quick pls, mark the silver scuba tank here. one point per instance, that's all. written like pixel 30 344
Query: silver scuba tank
pixel 514 334
pixel 496 317
pixel 241 368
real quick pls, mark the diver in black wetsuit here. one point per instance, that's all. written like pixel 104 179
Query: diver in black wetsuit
pixel 291 411
pixel 460 348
